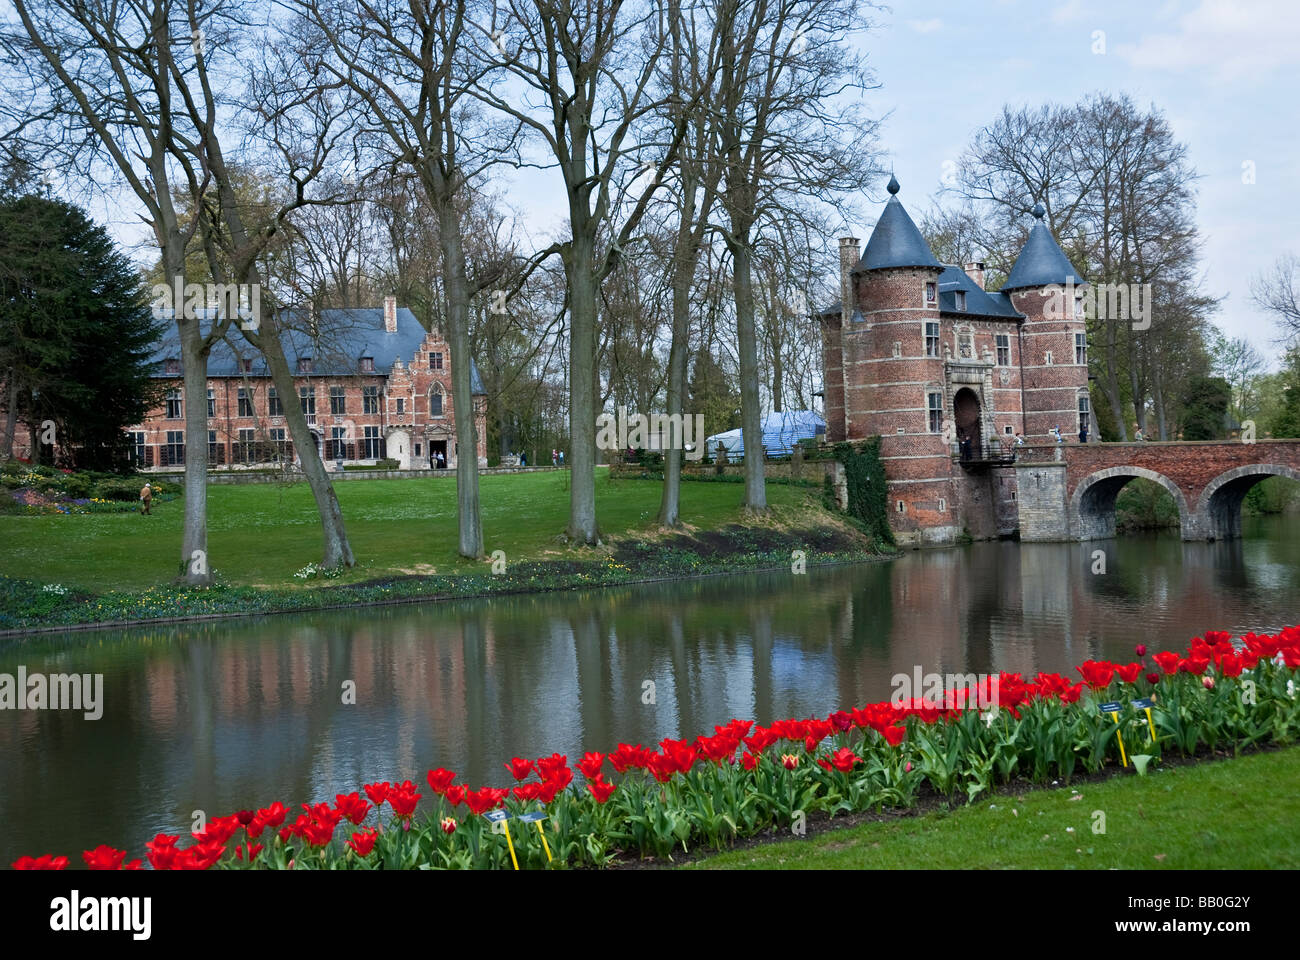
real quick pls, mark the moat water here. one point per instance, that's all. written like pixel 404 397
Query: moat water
pixel 235 714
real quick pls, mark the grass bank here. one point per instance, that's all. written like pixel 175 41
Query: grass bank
pixel 1204 815
pixel 114 568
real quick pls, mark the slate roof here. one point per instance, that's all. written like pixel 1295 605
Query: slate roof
pixel 979 303
pixel 1041 261
pixel 349 335
pixel 895 241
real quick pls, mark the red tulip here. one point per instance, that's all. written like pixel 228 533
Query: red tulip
pixel 1129 672
pixel 104 858
pixel 527 791
pixel 590 764
pixel 662 766
pixel 253 850
pixel 894 735
pixel 363 842
pixel 1168 661
pixel 456 795
pixel 550 768
pixel 403 800
pixel 440 779
pixel 46 861
pixel 845 759
pixel 481 801
pixel 245 817
pixel 1096 674
pixel 1194 665
pixel 1140 650
pixel 161 851
pixel 1153 678
pixel 519 768
pixel 273 815
pixel 789 761
pixel 749 761
pixel 600 789
pixel 378 792
pixel 351 806
pixel 448 825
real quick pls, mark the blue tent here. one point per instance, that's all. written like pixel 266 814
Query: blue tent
pixel 781 431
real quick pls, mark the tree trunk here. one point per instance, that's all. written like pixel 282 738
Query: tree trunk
pixel 582 387
pixel 457 290
pixel 11 422
pixel 195 568
pixel 683 273
pixel 337 551
pixel 751 420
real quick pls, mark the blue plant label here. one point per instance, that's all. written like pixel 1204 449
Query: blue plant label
pixel 496 816
pixel 1146 703
pixel 1113 707
pixel 531 817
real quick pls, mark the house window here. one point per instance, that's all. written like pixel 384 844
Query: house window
pixel 175 409
pixel 1081 349
pixel 338 400
pixel 304 364
pixel 1085 412
pixel 372 444
pixel 934 401
pixel 1047 358
pixel 943 505
pixel 369 399
pixel 435 402
pixel 214 451
pixel 174 451
pixel 932 339
pixel 245 364
pixel 172 366
pixel 245 402
pixel 961 307
pixel 212 404
pixel 307 397
pixel 417 450
pixel 931 293
pixel 367 364
pixel 137 447
pixel 435 361
pixel 401 405
pixel 274 408
pixel 337 448
pixel 1007 429
pixel 281 443
pixel 900 506
pixel 1004 349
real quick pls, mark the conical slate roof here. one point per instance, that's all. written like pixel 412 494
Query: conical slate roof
pixel 895 242
pixel 1041 261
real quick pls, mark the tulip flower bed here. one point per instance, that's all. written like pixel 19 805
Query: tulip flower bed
pixel 745 780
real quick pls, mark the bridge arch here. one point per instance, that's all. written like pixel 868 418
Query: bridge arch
pixel 1220 501
pixel 1092 505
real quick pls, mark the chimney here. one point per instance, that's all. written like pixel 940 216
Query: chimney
pixel 849 257
pixel 390 314
pixel 975 271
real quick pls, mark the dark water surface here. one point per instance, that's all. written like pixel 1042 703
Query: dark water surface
pixel 236 714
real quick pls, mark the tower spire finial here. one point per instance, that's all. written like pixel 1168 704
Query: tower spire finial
pixel 893 187
pixel 1038 211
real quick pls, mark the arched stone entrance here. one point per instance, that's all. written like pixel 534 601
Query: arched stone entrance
pixel 966 416
pixel 1092 507
pixel 1220 502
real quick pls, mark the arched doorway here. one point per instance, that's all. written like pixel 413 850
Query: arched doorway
pixel 966 414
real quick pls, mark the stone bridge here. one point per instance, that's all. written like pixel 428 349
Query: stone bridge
pixel 1068 491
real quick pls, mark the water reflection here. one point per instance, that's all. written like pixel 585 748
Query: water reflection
pixel 217 716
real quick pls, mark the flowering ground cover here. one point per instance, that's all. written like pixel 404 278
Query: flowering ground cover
pixel 744 779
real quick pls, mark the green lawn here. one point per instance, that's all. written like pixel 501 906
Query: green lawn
pixel 260 534
pixel 1240 813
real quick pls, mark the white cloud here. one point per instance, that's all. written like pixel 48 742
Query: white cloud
pixel 1228 39
pixel 1070 10
pixel 926 26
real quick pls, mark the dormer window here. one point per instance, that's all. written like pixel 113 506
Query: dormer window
pixel 245 364
pixel 961 301
pixel 304 364
pixel 367 364
pixel 172 366
pixel 931 292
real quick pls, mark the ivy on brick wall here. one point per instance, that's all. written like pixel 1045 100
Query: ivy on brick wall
pixel 864 474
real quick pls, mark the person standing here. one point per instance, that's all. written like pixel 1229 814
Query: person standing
pixel 1083 434
pixel 1137 434
pixel 561 458
pixel 555 457
pixel 146 498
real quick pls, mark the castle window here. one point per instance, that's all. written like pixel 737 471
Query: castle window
pixel 367 364
pixel 175 408
pixel 174 452
pixel 274 408
pixel 1004 349
pixel 898 348
pixel 1007 429
pixel 934 401
pixel 212 404
pixel 435 361
pixel 246 364
pixel 435 401
pixel 932 339
pixel 961 301
pixel 338 400
pixel 931 293
pixel 1081 349
pixel 901 507
pixel 307 397
pixel 401 405
pixel 304 364
pixel 245 402
pixel 137 447
pixel 172 366
pixel 372 445
pixel 1085 412
pixel 943 505
pixel 1047 358
pixel 369 399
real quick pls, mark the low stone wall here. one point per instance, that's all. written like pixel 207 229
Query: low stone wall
pixel 252 476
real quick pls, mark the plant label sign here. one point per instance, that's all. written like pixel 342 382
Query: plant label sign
pixel 1146 703
pixel 501 817
pixel 1113 706
pixel 531 817
pixel 497 816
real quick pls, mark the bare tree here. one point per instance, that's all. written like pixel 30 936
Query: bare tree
pixel 1278 292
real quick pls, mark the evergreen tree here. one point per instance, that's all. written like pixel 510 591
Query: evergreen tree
pixel 76 334
pixel 1205 408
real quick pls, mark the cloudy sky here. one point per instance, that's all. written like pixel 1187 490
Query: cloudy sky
pixel 1226 73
